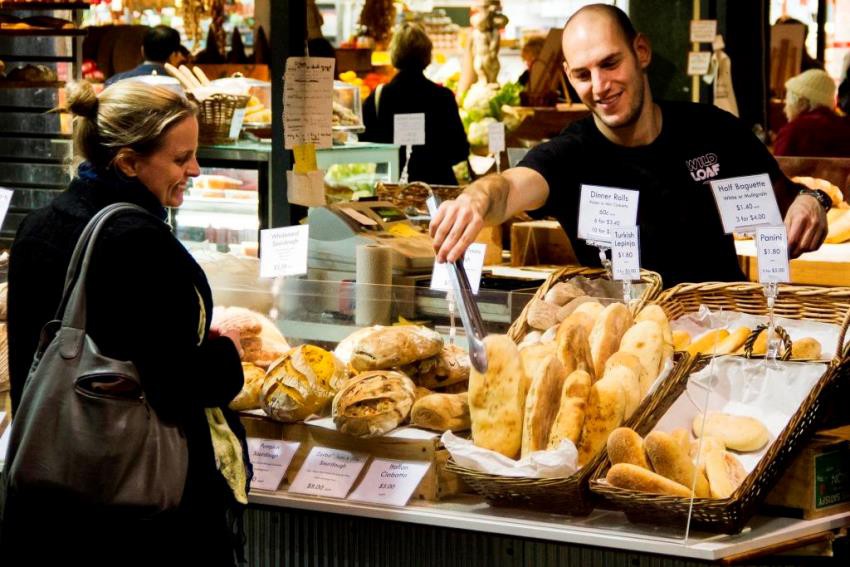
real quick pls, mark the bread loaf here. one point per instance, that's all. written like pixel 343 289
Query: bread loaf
pixel 633 477
pixel 725 473
pixel 669 460
pixel 839 227
pixel 392 347
pixel 570 307
pixel 621 358
pixel 592 309
pixel 441 412
pixel 534 356
pixel 734 341
pixel 606 408
pixel 645 340
pixel 704 445
pixel 681 339
pixel 626 446
pixel 450 366
pixel 608 330
pixel 541 405
pixel 654 312
pixel 707 342
pixel 569 421
pixel 573 348
pixel 261 341
pixel 373 403
pixel 630 381
pixel 806 349
pixel 739 433
pixel 249 397
pixel 683 438
pixel 562 293
pixel 299 384
pixel 497 398
pixel 542 315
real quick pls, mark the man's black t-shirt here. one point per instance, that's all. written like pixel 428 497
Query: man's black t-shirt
pixel 681 234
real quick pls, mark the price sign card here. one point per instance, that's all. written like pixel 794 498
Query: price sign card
pixel 308 101
pixel 772 251
pixel 270 459
pixel 328 472
pixel 473 263
pixel 390 482
pixel 703 31
pixel 625 254
pixel 603 209
pixel 699 62
pixel 5 201
pixel 496 137
pixel 283 251
pixel 746 203
pixel 409 129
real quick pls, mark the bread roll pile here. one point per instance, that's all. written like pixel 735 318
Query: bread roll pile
pixel 584 383
pixel 671 463
pixel 722 341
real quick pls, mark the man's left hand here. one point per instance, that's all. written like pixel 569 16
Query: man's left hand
pixel 805 222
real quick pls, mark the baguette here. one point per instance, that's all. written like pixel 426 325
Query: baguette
pixel 708 342
pixel 734 341
pixel 681 339
pixel 633 477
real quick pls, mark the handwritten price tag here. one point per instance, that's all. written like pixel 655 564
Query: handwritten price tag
pixel 772 253
pixel 390 482
pixel 703 31
pixel 283 251
pixel 496 137
pixel 625 254
pixel 270 459
pixel 699 62
pixel 746 203
pixel 603 209
pixel 308 101
pixel 328 472
pixel 409 129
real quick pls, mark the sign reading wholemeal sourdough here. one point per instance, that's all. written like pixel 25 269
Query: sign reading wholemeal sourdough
pixel 746 203
pixel 328 472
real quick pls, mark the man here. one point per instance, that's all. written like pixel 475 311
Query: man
pixel 666 151
pixel 160 45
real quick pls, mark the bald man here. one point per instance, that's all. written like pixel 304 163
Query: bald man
pixel 667 151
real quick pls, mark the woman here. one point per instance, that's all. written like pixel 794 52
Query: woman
pixel 147 302
pixel 408 93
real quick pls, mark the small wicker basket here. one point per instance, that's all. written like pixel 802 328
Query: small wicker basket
pixel 215 117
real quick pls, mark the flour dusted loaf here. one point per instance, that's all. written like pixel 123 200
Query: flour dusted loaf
pixel 645 340
pixel 541 405
pixel 562 293
pixel 301 383
pixel 626 446
pixel 249 397
pixel 392 347
pixel 608 330
pixel 497 398
pixel 373 403
pixel 441 412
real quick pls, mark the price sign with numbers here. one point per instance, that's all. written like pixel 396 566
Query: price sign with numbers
pixel 746 203
pixel 328 472
pixel 772 252
pixel 603 209
pixel 625 254
pixel 283 251
pixel 390 482
pixel 270 459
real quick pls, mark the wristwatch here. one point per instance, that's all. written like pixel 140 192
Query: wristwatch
pixel 822 196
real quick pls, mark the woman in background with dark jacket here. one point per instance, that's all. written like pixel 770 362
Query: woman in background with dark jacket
pixel 410 92
pixel 148 302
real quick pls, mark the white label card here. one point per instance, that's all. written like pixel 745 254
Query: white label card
pixel 703 31
pixel 473 263
pixel 390 482
pixel 236 122
pixel 746 203
pixel 496 137
pixel 328 472
pixel 409 129
pixel 283 251
pixel 603 209
pixel 699 62
pixel 772 251
pixel 5 201
pixel 625 254
pixel 270 459
pixel 308 101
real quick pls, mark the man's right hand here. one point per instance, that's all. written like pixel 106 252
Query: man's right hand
pixel 455 227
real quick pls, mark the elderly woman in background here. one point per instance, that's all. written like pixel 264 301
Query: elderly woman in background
pixel 148 302
pixel 410 92
pixel 813 128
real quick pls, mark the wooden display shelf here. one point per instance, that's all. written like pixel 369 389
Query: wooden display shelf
pixel 44 5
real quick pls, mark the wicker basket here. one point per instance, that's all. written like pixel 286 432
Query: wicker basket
pixel 571 495
pixel 520 327
pixel 216 116
pixel 730 515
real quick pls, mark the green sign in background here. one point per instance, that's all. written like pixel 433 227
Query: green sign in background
pixel 832 478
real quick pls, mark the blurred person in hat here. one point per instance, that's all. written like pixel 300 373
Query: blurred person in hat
pixel 813 128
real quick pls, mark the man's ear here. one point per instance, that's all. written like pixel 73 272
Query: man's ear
pixel 566 69
pixel 643 50
pixel 126 162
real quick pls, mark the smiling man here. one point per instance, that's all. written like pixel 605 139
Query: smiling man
pixel 666 151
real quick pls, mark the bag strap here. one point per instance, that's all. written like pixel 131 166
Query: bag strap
pixel 72 308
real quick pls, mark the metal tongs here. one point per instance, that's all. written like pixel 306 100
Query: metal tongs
pixel 469 313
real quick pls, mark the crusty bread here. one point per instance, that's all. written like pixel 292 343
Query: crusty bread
pixel 630 381
pixel 562 293
pixel 573 348
pixel 301 383
pixel 392 347
pixel 707 342
pixel 249 397
pixel 608 330
pixel 569 421
pixel 373 403
pixel 542 315
pixel 606 409
pixel 541 405
pixel 654 312
pixel 645 340
pixel 633 477
pixel 669 460
pixel 739 433
pixel 725 473
pixel 497 398
pixel 734 341
pixel 626 446
pixel 806 348
pixel 441 412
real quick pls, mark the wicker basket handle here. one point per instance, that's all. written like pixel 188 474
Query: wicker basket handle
pixel 839 348
pixel 783 334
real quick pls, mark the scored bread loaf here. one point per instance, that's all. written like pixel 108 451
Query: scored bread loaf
pixel 541 405
pixel 645 340
pixel 608 329
pixel 497 398
pixel 373 403
pixel 391 347
pixel 569 421
pixel 626 446
pixel 441 412
pixel 573 348
pixel 248 397
pixel 300 383
pixel 633 477
pixel 606 408
pixel 738 432
pixel 669 460
pixel 450 366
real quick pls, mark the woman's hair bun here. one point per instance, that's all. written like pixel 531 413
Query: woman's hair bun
pixel 82 100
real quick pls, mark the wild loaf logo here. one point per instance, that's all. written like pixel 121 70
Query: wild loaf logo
pixel 703 167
